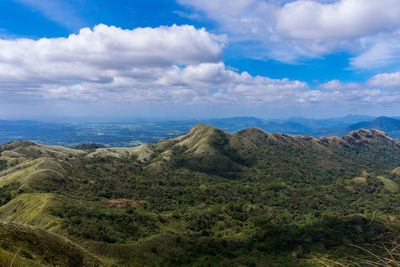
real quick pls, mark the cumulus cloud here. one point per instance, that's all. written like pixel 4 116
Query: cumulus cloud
pixel 338 85
pixel 171 64
pixel 104 53
pixel 292 30
pixel 385 80
pixel 373 92
pixel 205 74
pixel 177 64
pixel 342 19
pixel 205 83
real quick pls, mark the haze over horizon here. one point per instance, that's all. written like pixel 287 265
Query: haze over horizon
pixel 201 119
pixel 199 58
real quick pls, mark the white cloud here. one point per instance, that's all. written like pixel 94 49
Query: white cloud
pixel 206 83
pixel 372 92
pixel 177 64
pixel 385 80
pixel 243 19
pixel 342 19
pixel 378 51
pixel 339 86
pixel 205 74
pixel 101 54
pixel 171 64
pixel 292 30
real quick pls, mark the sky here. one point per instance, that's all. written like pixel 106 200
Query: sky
pixel 199 58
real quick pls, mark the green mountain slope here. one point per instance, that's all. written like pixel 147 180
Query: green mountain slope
pixel 30 209
pixel 208 197
pixel 27 246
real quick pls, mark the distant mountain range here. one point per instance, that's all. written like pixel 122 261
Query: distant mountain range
pixel 139 132
pixel 391 126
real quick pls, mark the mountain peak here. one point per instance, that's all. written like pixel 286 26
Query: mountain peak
pixel 383 118
pixel 16 144
pixel 386 121
pixel 203 129
pixel 252 132
pixel 255 135
pixel 367 133
pixel 370 136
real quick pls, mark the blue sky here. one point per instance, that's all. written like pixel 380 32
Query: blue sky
pixel 199 58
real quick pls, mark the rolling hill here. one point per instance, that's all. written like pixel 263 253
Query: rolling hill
pixel 206 197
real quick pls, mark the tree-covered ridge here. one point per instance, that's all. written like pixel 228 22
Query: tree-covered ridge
pixel 210 197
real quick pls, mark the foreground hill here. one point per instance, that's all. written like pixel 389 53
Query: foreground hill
pixel 205 198
pixel 27 246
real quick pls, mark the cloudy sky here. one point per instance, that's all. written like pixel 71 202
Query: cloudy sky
pixel 199 58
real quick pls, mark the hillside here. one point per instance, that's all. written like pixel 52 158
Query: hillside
pixel 206 197
pixel 28 246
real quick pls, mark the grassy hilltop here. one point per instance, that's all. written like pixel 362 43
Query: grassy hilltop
pixel 205 198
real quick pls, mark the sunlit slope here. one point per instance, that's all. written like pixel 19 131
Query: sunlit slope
pixel 205 148
pixel 26 163
pixel 30 209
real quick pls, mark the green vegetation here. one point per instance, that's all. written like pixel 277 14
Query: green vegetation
pixel 207 198
pixel 29 246
pixel 3 165
pixel 389 184
pixel 396 171
pixel 30 209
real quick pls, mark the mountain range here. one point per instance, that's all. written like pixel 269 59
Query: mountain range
pixel 129 134
pixel 205 198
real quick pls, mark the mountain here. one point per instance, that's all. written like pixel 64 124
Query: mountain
pixel 252 147
pixel 391 126
pixel 207 197
pixel 129 134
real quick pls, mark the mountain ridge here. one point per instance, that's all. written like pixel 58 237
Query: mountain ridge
pixel 196 136
pixel 129 134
